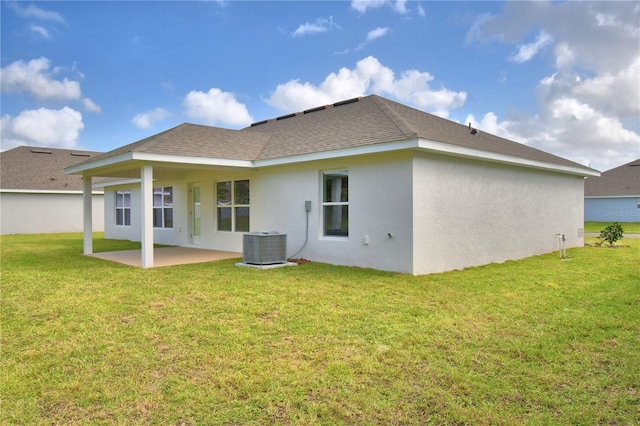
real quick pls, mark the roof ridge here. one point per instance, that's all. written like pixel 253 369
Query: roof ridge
pixel 401 123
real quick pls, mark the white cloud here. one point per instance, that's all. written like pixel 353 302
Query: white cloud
pixel 34 78
pixel 216 107
pixel 32 11
pixel 321 25
pixel 146 120
pixel 369 76
pixel 601 35
pixel 526 52
pixel 89 105
pixel 362 6
pixel 588 108
pixel 400 6
pixel 371 36
pixel 565 58
pixel 617 93
pixel 377 33
pixel 40 30
pixel 42 127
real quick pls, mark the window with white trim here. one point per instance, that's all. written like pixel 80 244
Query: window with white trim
pixel 163 207
pixel 123 208
pixel 335 203
pixel 232 205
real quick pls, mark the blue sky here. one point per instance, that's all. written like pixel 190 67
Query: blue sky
pixel 562 77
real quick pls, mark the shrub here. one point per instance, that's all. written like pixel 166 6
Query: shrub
pixel 611 233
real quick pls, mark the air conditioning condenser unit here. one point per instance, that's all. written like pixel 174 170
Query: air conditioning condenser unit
pixel 264 248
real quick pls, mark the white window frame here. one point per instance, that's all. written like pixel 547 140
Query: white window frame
pixel 163 206
pixel 232 205
pixel 324 203
pixel 122 194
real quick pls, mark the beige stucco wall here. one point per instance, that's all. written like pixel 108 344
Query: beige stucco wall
pixel 442 212
pixel 379 204
pixel 472 213
pixel 44 213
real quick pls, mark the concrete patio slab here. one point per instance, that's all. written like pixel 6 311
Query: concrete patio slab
pixel 167 256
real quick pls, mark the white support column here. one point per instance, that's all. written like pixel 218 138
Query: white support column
pixel 146 190
pixel 87 210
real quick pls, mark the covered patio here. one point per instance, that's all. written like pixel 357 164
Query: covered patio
pixel 167 256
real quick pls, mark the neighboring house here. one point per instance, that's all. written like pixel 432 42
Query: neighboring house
pixel 37 197
pixel 365 182
pixel 615 196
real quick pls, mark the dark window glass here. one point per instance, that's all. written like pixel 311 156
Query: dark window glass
pixel 242 219
pixel 224 218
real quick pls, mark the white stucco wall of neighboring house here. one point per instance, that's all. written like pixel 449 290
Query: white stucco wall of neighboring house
pixel 471 213
pixel 612 209
pixel 44 212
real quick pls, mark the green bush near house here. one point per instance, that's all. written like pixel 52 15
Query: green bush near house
pixel 535 341
pixel 612 233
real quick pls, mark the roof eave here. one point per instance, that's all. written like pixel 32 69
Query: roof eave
pixel 47 191
pixel 478 154
pixel 612 196
pixel 89 167
pixel 434 147
pixel 339 153
pixel 415 143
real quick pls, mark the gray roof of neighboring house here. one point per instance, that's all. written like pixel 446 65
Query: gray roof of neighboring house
pixel 34 168
pixel 621 181
pixel 352 123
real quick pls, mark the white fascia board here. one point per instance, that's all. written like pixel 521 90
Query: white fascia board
pixel 430 146
pixel 461 151
pixel 183 159
pixel 612 196
pixel 157 158
pixel 45 191
pixel 78 169
pixel 117 183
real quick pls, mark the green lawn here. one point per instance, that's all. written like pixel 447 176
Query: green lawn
pixel 537 341
pixel 629 227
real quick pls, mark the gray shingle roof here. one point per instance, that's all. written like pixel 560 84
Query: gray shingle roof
pixel 620 181
pixel 197 141
pixel 374 119
pixel 353 123
pixel 33 168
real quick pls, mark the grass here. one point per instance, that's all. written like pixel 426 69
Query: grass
pixel 629 227
pixel 537 341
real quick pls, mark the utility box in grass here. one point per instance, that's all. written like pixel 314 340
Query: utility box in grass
pixel 264 248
